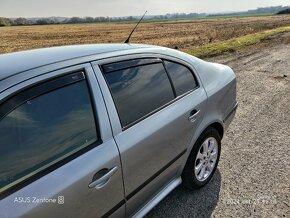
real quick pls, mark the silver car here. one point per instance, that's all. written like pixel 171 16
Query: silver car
pixel 107 130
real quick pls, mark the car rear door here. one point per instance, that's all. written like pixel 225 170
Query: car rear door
pixel 153 123
pixel 58 156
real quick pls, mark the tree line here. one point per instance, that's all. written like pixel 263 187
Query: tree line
pixel 46 21
pixel 74 20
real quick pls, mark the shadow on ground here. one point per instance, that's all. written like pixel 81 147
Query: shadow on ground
pixel 185 203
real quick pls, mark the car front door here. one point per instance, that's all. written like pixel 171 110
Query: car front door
pixel 153 123
pixel 58 156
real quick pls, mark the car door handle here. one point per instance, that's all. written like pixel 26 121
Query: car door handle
pixel 193 115
pixel 102 178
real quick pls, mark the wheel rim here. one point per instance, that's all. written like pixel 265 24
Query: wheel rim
pixel 206 159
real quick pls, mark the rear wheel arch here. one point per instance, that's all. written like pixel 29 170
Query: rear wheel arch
pixel 219 127
pixel 216 125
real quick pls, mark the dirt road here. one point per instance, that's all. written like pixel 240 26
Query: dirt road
pixel 253 177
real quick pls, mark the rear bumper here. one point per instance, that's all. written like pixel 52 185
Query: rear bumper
pixel 230 116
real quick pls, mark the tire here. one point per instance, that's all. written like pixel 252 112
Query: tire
pixel 193 175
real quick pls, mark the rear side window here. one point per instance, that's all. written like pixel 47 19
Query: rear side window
pixel 182 78
pixel 45 129
pixel 137 91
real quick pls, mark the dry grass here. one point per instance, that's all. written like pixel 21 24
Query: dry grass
pixel 236 44
pixel 183 34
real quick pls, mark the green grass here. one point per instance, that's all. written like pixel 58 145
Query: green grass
pixel 233 45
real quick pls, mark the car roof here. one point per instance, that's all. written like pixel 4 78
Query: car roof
pixel 13 63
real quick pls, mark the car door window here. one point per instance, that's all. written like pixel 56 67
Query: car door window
pixel 139 90
pixel 42 126
pixel 182 78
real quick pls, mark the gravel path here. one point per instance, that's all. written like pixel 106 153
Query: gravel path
pixel 253 177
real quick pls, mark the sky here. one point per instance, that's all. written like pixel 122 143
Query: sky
pixel 115 8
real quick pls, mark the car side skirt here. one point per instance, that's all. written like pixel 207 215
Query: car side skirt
pixel 158 197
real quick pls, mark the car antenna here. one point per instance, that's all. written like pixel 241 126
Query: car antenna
pixel 128 40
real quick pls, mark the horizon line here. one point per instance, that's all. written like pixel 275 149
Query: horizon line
pixel 207 13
